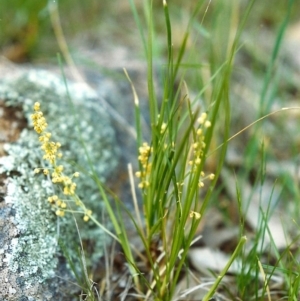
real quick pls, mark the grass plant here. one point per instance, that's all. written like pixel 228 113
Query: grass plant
pixel 176 188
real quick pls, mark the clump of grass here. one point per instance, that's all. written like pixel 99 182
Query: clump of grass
pixel 175 187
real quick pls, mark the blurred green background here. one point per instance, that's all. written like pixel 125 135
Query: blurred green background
pixel 27 34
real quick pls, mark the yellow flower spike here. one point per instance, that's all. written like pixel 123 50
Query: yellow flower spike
pixel 86 218
pixel 144 154
pixel 39 121
pixel 211 176
pixel 50 154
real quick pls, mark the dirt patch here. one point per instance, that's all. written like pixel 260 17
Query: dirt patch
pixel 12 122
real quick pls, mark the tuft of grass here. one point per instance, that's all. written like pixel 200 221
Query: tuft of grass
pixel 176 188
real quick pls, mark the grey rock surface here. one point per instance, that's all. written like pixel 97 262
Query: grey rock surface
pixel 31 262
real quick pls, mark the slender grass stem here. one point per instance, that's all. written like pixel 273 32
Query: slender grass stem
pixel 234 255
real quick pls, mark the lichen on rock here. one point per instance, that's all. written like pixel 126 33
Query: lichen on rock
pixel 32 252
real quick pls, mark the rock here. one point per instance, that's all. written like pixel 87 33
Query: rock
pixel 32 265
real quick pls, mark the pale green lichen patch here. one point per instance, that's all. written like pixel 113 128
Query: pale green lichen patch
pixel 33 252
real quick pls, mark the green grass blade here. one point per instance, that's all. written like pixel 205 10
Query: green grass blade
pixel 234 255
pixel 265 103
pixel 139 25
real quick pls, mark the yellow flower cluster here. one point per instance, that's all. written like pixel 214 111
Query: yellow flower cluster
pixel 39 121
pixel 49 147
pixel 194 214
pixel 198 146
pixel 144 155
pixel 51 154
pixel 54 200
